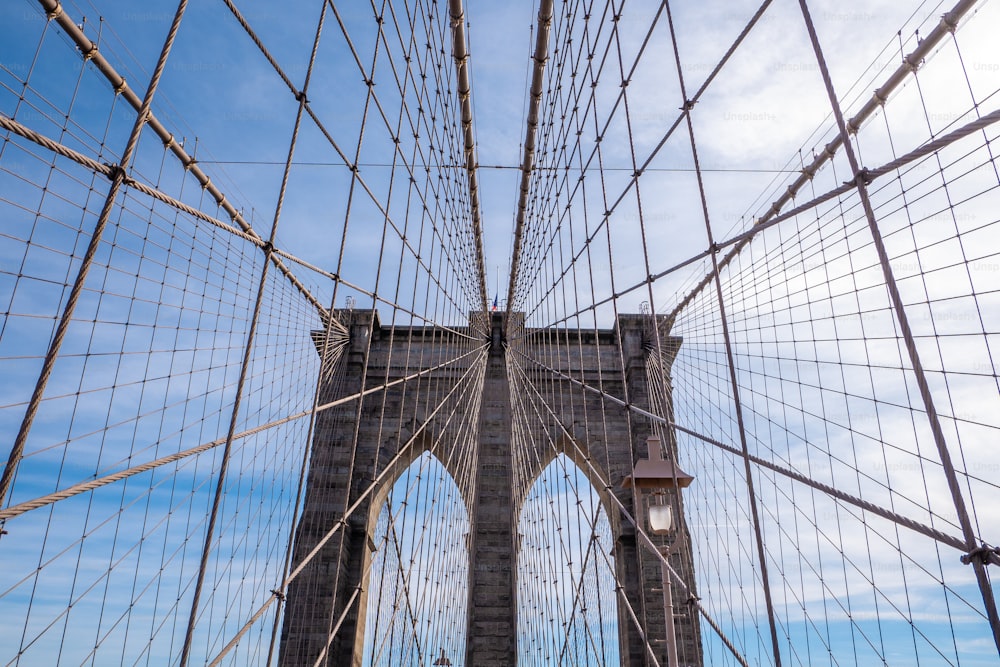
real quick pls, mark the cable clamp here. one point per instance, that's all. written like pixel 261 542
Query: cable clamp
pixel 115 170
pixel 301 97
pixel 985 555
pixel 909 64
pixel 278 594
pixel 949 22
pixel 863 177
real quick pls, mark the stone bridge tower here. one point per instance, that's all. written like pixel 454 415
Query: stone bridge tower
pixel 331 593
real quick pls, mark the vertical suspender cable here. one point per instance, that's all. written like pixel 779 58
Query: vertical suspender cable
pixel 54 11
pixel 899 309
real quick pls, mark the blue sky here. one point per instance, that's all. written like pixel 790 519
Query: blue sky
pixel 824 380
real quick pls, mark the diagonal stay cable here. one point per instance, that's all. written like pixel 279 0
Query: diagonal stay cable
pixel 90 52
pixel 14 126
pixel 107 170
pixel 902 320
pixel 90 485
pixel 375 484
pixel 899 519
pixel 249 349
pixel 640 531
pixel 912 62
pixel 353 165
pixel 765 570
pixel 738 241
pixel 520 378
pixel 62 328
pixel 688 105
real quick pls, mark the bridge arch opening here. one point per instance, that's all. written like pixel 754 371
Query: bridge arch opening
pixel 416 575
pixel 567 610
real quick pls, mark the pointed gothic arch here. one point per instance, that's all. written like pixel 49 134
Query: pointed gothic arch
pixel 419 517
pixel 565 568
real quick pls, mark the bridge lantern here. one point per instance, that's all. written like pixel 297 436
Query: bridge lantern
pixel 656 474
pixel 659 477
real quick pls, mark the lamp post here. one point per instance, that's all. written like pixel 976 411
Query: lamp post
pixel 659 476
